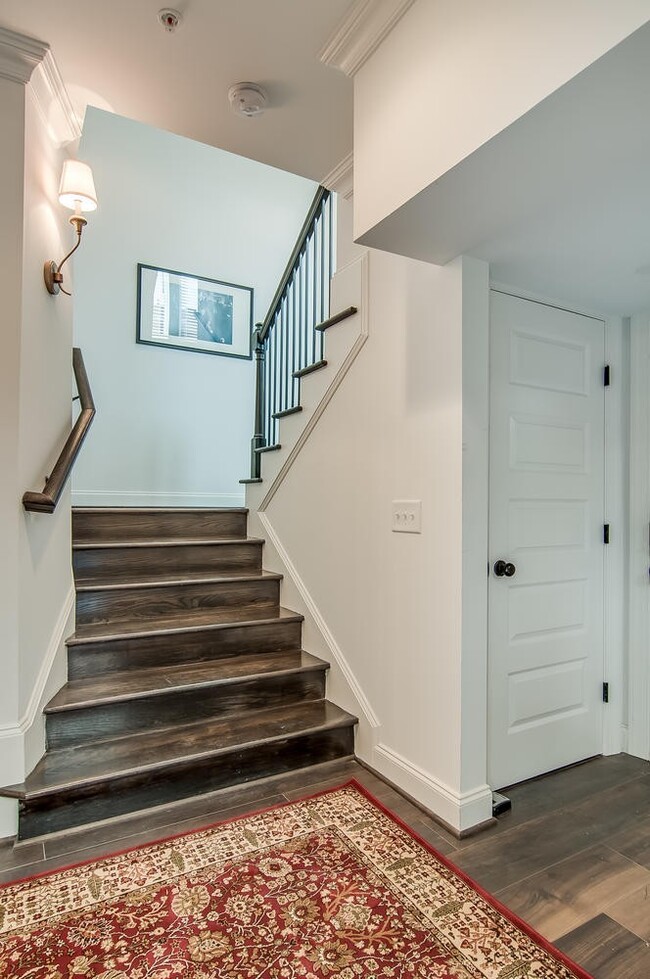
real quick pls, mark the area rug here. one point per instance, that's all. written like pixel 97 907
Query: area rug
pixel 329 887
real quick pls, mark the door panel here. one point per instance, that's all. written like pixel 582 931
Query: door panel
pixel 546 517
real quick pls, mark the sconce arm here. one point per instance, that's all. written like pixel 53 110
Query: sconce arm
pixel 52 272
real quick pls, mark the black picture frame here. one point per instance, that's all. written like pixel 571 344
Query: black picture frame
pixel 181 311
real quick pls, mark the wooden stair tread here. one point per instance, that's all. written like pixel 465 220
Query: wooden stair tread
pixel 150 681
pixel 179 623
pixel 172 579
pixel 68 769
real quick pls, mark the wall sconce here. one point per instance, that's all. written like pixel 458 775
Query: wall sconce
pixel 76 191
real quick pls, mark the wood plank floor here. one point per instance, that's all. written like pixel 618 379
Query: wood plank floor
pixel 572 858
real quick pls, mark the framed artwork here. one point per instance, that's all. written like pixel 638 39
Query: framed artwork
pixel 189 312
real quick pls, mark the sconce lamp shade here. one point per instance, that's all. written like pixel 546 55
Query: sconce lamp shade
pixel 77 188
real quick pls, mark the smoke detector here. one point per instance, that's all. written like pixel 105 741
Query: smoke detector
pixel 170 19
pixel 247 99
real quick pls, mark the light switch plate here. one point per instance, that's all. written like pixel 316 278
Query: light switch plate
pixel 407 516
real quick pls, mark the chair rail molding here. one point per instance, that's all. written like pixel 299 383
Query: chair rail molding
pixel 361 32
pixel 361 297
pixel 19 55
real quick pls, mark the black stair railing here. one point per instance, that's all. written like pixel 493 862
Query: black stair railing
pixel 287 341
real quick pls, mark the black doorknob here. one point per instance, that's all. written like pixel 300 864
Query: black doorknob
pixel 502 568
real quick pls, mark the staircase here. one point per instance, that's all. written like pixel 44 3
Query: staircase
pixel 184 674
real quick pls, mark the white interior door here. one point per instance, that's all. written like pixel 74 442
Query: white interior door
pixel 546 521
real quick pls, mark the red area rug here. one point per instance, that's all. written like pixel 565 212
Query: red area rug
pixel 330 887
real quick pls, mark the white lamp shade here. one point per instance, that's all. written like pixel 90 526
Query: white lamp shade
pixel 77 187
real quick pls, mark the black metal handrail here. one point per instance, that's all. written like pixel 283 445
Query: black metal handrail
pixel 287 341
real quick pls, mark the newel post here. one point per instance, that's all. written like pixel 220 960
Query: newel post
pixel 258 439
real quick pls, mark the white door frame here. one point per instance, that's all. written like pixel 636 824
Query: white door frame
pixel 639 556
pixel 615 558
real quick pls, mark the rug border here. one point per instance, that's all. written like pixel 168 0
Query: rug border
pixel 487 897
pixel 494 902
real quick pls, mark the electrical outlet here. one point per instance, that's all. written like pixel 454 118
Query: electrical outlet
pixel 407 516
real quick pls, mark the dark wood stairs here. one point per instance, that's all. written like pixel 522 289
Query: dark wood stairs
pixel 185 675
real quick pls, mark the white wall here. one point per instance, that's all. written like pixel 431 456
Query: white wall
pixel 393 603
pixel 453 73
pixel 35 406
pixel 12 100
pixel 172 427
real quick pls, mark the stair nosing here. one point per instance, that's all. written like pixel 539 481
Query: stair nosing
pixel 75 640
pixel 309 369
pixel 85 545
pixel 86 587
pixel 318 666
pixel 345 719
pixel 155 510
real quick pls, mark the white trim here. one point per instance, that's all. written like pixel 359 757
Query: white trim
pixel 615 552
pixel 331 390
pixel 56 639
pixel 361 32
pixel 639 558
pixel 19 55
pixel 320 623
pixel 142 499
pixel 53 102
pixel 341 178
pixel 461 810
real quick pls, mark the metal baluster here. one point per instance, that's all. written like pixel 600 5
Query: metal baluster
pixel 313 298
pixel 281 352
pixel 323 314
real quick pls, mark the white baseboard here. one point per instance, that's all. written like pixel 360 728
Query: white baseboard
pixel 460 810
pixel 320 623
pixel 13 736
pixel 141 499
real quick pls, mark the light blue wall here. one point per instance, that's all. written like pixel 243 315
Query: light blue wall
pixel 172 427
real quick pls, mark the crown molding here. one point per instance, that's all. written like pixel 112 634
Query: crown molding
pixel 20 55
pixel 53 102
pixel 361 32
pixel 340 179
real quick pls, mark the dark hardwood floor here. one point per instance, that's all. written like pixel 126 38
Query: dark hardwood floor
pixel 572 858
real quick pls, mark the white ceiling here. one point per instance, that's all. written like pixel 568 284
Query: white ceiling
pixel 117 55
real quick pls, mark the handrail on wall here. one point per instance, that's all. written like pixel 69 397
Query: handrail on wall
pixel 46 501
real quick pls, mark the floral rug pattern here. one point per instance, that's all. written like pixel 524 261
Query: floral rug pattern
pixel 330 887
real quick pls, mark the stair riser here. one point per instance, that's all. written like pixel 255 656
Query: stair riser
pixel 100 658
pixel 155 525
pixel 132 604
pixel 69 728
pixel 150 563
pixel 53 813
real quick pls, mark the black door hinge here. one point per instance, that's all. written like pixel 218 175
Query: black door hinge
pixel 605 693
pixel 605 533
pixel 606 376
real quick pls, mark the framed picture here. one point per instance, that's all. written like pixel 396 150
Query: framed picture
pixel 190 312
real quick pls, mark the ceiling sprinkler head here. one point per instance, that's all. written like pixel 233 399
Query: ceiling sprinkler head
pixel 247 99
pixel 170 19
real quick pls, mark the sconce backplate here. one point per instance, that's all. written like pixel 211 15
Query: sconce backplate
pixel 52 278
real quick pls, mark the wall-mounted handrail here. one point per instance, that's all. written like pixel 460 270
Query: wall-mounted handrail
pixel 46 501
